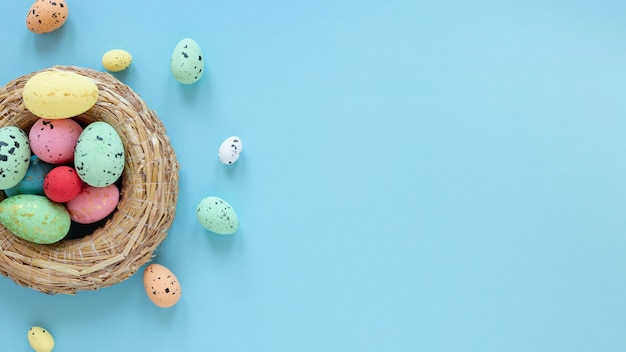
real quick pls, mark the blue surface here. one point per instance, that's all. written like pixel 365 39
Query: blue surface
pixel 416 176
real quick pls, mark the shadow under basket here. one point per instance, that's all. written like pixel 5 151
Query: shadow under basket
pixel 148 194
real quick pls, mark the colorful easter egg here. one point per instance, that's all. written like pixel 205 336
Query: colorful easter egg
pixel 161 285
pixel 116 60
pixel 32 182
pixel 59 94
pixel 40 339
pixel 62 184
pixel 99 155
pixel 45 16
pixel 53 141
pixel 230 150
pixel 216 215
pixel 35 218
pixel 93 204
pixel 187 63
pixel 14 156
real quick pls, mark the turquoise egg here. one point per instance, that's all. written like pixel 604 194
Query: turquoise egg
pixel 187 63
pixel 14 156
pixel 35 218
pixel 216 215
pixel 99 155
pixel 32 183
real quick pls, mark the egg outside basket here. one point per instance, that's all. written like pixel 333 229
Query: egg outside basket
pixel 148 195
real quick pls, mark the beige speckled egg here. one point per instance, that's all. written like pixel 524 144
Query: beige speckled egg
pixel 46 16
pixel 116 60
pixel 161 285
pixel 40 339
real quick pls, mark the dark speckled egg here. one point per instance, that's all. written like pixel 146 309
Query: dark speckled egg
pixel 161 285
pixel 216 215
pixel 45 16
pixel 14 156
pixel 187 63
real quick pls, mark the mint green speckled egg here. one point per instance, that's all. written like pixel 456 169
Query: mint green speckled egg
pixel 99 155
pixel 35 218
pixel 187 62
pixel 216 215
pixel 14 156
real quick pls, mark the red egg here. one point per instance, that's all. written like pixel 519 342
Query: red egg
pixel 62 184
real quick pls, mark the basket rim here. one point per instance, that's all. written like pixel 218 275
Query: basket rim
pixel 148 196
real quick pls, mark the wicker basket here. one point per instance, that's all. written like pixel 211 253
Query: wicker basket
pixel 148 195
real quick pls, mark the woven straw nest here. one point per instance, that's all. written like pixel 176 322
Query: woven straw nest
pixel 148 194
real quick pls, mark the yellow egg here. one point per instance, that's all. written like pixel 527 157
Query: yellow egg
pixel 161 285
pixel 40 339
pixel 58 94
pixel 116 60
pixel 46 16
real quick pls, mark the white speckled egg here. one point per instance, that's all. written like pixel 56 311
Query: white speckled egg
pixel 230 150
pixel 186 62
pixel 14 156
pixel 99 155
pixel 216 215
pixel 40 339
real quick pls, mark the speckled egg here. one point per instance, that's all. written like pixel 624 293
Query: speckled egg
pixel 99 155
pixel 161 285
pixel 32 183
pixel 14 156
pixel 62 184
pixel 187 63
pixel 35 218
pixel 40 339
pixel 53 141
pixel 58 94
pixel 230 150
pixel 116 60
pixel 93 204
pixel 45 16
pixel 216 215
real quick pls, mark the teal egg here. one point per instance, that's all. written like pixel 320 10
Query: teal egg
pixel 14 156
pixel 99 155
pixel 32 183
pixel 187 63
pixel 35 218
pixel 216 215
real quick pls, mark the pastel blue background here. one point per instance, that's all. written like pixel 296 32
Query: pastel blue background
pixel 416 176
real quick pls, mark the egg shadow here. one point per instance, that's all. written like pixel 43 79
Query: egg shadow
pixel 46 43
pixel 222 244
pixel 121 75
pixel 194 91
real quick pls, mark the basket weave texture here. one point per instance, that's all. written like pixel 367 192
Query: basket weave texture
pixel 148 195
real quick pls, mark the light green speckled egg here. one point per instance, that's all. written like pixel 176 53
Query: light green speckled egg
pixel 187 62
pixel 216 215
pixel 99 155
pixel 14 156
pixel 35 218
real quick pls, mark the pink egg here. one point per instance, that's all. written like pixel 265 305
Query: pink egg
pixel 62 184
pixel 93 204
pixel 53 141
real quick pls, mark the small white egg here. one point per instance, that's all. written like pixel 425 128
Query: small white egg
pixel 230 150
